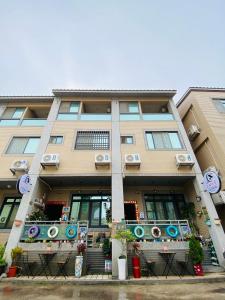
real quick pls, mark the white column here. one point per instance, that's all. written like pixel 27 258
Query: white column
pixel 216 231
pixel 2 108
pixel 117 182
pixel 25 206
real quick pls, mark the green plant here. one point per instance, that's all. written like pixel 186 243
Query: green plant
pixel 109 215
pixel 125 236
pixel 136 248
pixel 38 216
pixel 3 262
pixel 30 240
pixel 15 253
pixel 2 250
pixel 107 248
pixel 195 251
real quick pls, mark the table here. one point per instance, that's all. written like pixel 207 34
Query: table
pixel 45 258
pixel 168 257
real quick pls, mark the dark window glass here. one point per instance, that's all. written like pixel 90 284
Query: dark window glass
pixel 8 212
pixel 92 140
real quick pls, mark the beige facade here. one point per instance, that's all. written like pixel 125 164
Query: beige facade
pixel 204 108
pixel 77 126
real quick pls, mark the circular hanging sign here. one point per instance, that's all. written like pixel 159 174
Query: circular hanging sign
pixel 211 182
pixel 23 184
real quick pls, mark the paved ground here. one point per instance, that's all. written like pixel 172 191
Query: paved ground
pixel 206 291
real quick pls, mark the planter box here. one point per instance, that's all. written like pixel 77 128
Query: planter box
pixel 122 268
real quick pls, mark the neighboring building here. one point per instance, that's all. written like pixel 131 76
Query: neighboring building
pixel 202 111
pixel 117 148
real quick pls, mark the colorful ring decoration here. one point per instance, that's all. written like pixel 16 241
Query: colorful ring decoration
pixel 156 232
pixel 33 231
pixel 139 228
pixel 71 231
pixel 53 232
pixel 172 231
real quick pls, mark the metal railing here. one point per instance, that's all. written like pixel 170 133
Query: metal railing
pixel 23 122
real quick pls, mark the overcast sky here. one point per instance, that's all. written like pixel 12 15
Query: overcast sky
pixel 125 44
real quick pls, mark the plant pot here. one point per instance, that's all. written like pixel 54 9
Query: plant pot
pixel 78 266
pixel 198 270
pixel 122 271
pixel 136 267
pixel 12 271
pixel 2 269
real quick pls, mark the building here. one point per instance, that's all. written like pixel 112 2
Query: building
pixel 90 150
pixel 202 111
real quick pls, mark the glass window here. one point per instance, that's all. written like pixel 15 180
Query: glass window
pixel 151 214
pixel 56 139
pixel 8 212
pixel 133 107
pixel 91 208
pixel 18 113
pixel 74 107
pixel 163 140
pixel 92 140
pixel 223 103
pixel 127 139
pixel 26 145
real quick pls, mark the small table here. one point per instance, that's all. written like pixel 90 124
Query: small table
pixel 45 258
pixel 168 257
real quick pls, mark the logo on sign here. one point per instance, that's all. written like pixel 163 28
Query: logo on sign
pixel 211 182
pixel 23 184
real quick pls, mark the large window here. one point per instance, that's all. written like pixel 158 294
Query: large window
pixel 90 208
pixel 8 212
pixel 164 206
pixel 92 140
pixel 129 111
pixel 13 113
pixel 68 110
pixel 23 145
pixel 163 140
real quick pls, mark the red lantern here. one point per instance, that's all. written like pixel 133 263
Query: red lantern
pixel 136 267
pixel 198 270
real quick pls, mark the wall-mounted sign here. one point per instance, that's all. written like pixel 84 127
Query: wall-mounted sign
pixel 23 184
pixel 142 215
pixel 211 182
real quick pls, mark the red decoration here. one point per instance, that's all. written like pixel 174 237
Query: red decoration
pixel 136 267
pixel 12 271
pixel 198 270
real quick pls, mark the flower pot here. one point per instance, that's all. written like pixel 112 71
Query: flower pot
pixel 136 267
pixel 78 266
pixel 12 271
pixel 198 270
pixel 122 268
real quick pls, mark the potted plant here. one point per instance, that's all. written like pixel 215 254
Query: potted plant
pixel 123 236
pixel 109 217
pixel 15 254
pixel 107 251
pixel 81 248
pixel 136 260
pixel 49 246
pixel 196 254
pixel 3 262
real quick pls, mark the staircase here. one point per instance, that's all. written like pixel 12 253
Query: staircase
pixel 95 261
pixel 207 263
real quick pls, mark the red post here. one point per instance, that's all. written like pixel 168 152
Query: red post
pixel 136 267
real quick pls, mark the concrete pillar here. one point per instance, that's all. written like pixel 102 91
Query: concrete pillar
pixel 25 206
pixel 2 109
pixel 216 231
pixel 117 183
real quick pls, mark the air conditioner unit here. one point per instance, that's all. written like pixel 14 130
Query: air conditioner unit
pixel 132 160
pixel 218 198
pixel 193 131
pixel 184 160
pixel 50 160
pixel 102 159
pixel 19 165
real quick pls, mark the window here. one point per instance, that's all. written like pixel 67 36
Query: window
pixel 92 140
pixel 56 139
pixel 164 206
pixel 90 208
pixel 129 111
pixel 13 113
pixel 220 105
pixel 8 212
pixel 133 107
pixel 163 140
pixel 223 103
pixel 23 145
pixel 68 110
pixel 127 139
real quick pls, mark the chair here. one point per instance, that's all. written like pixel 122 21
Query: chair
pixel 184 264
pixel 62 262
pixel 28 264
pixel 148 263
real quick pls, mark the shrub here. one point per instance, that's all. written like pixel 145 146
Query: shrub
pixel 195 251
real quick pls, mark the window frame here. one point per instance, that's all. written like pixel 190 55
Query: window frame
pixel 69 112
pixel 169 130
pixel 84 198
pixel 87 130
pixel 20 136
pixel 125 136
pixel 56 136
pixel 11 209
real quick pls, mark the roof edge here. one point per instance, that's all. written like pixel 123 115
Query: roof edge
pixel 198 89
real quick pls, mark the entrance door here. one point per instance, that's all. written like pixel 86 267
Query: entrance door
pixel 54 211
pixel 130 211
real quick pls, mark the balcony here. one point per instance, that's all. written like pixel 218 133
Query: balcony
pixel 95 117
pixel 33 122
pixel 67 117
pixel 130 117
pixel 9 122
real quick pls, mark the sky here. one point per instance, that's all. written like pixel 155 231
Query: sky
pixel 117 44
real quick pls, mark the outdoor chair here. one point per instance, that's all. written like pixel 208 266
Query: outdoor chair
pixel 62 262
pixel 28 264
pixel 149 264
pixel 184 265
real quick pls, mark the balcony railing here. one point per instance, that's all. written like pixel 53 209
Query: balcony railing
pixel 157 117
pixel 130 117
pixel 33 122
pixel 9 122
pixel 182 226
pixel 67 117
pixel 95 117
